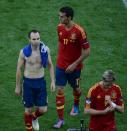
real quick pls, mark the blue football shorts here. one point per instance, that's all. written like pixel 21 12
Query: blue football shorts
pixel 34 92
pixel 72 78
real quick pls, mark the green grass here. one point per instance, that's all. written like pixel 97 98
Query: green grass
pixel 106 24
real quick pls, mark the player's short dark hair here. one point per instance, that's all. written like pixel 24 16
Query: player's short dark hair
pixel 33 31
pixel 68 11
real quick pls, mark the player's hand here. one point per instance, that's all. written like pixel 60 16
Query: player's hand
pixel 71 68
pixel 52 86
pixel 109 109
pixel 108 99
pixel 18 91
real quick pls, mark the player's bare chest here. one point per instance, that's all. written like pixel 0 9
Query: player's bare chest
pixel 35 58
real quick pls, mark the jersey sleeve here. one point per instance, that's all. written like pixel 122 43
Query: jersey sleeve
pixel 84 42
pixel 83 39
pixel 58 29
pixel 119 100
pixel 89 101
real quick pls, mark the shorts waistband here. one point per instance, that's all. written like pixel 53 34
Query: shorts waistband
pixel 25 78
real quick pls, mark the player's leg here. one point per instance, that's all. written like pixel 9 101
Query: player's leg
pixel 75 108
pixel 40 101
pixel 39 112
pixel 60 98
pixel 74 79
pixel 28 119
pixel 60 101
pixel 35 115
pixel 28 104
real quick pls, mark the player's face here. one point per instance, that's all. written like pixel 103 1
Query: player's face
pixel 107 82
pixel 63 18
pixel 34 39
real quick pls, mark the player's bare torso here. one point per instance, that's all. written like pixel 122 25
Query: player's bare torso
pixel 33 67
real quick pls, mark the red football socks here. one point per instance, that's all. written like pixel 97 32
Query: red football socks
pixel 36 114
pixel 76 97
pixel 28 121
pixel 60 100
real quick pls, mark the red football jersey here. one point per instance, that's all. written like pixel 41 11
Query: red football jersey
pixel 96 100
pixel 71 42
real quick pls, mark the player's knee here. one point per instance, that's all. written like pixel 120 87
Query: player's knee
pixel 43 110
pixel 28 110
pixel 60 91
pixel 78 90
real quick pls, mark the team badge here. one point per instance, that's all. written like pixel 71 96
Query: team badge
pixel 73 37
pixel 113 95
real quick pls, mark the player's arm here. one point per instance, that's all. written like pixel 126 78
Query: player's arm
pixel 85 47
pixel 120 108
pixel 85 53
pixel 88 107
pixel 91 111
pixel 51 70
pixel 20 64
pixel 89 104
pixel 119 105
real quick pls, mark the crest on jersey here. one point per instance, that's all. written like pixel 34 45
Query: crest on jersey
pixel 73 36
pixel 113 95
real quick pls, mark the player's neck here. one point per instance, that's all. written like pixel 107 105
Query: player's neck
pixel 34 47
pixel 69 25
pixel 105 87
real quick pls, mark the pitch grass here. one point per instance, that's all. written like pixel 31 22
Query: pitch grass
pixel 106 24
